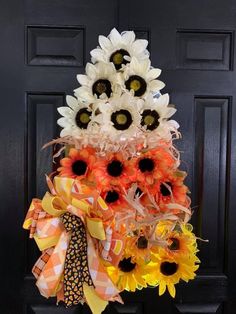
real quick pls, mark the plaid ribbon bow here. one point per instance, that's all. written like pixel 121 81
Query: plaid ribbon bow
pixel 67 226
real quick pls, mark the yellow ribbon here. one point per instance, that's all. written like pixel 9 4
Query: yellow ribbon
pixel 96 304
pixel 95 228
pixel 53 205
pixel 66 196
pixel 45 243
pixel 36 203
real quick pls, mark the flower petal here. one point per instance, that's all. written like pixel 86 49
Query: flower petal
pixel 156 85
pixel 83 79
pixel 115 37
pixel 136 66
pixel 140 45
pixel 84 94
pixel 73 153
pixel 128 37
pixel 104 42
pixel 63 122
pixel 163 100
pixel 153 74
pixel 132 284
pixel 91 71
pixel 97 54
pixel 65 132
pixel 171 288
pixel 146 65
pixel 170 112
pixel 162 287
pixel 72 102
pixel 65 111
pixel 65 162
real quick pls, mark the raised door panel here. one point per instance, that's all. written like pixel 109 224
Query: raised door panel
pixel 212 308
pixel 55 46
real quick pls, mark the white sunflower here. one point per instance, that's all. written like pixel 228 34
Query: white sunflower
pixel 120 118
pixel 156 111
pixel 155 114
pixel 77 118
pixel 141 78
pixel 119 48
pixel 99 82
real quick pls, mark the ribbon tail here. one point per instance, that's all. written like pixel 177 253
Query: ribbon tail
pixel 96 304
pixel 104 287
pixel 50 277
pixel 41 262
pixel 76 271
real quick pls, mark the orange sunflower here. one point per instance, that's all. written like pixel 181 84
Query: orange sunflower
pixel 141 192
pixel 152 165
pixel 171 189
pixel 114 197
pixel 78 164
pixel 113 169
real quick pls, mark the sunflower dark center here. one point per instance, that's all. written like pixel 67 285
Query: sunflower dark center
pixel 115 168
pixel 126 265
pixel 142 242
pixel 138 192
pixel 102 86
pixel 79 167
pixel 175 245
pixel 137 83
pixel 168 269
pixel 146 164
pixel 82 118
pixel 112 196
pixel 121 119
pixel 164 190
pixel 150 119
pixel 117 58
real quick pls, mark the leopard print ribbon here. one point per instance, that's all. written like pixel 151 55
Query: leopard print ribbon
pixel 76 271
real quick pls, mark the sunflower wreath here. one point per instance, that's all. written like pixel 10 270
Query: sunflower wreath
pixel 116 214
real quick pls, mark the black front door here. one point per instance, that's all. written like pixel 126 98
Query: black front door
pixel 44 44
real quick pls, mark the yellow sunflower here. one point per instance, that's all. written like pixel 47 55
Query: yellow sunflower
pixel 129 275
pixel 170 270
pixel 141 248
pixel 180 238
